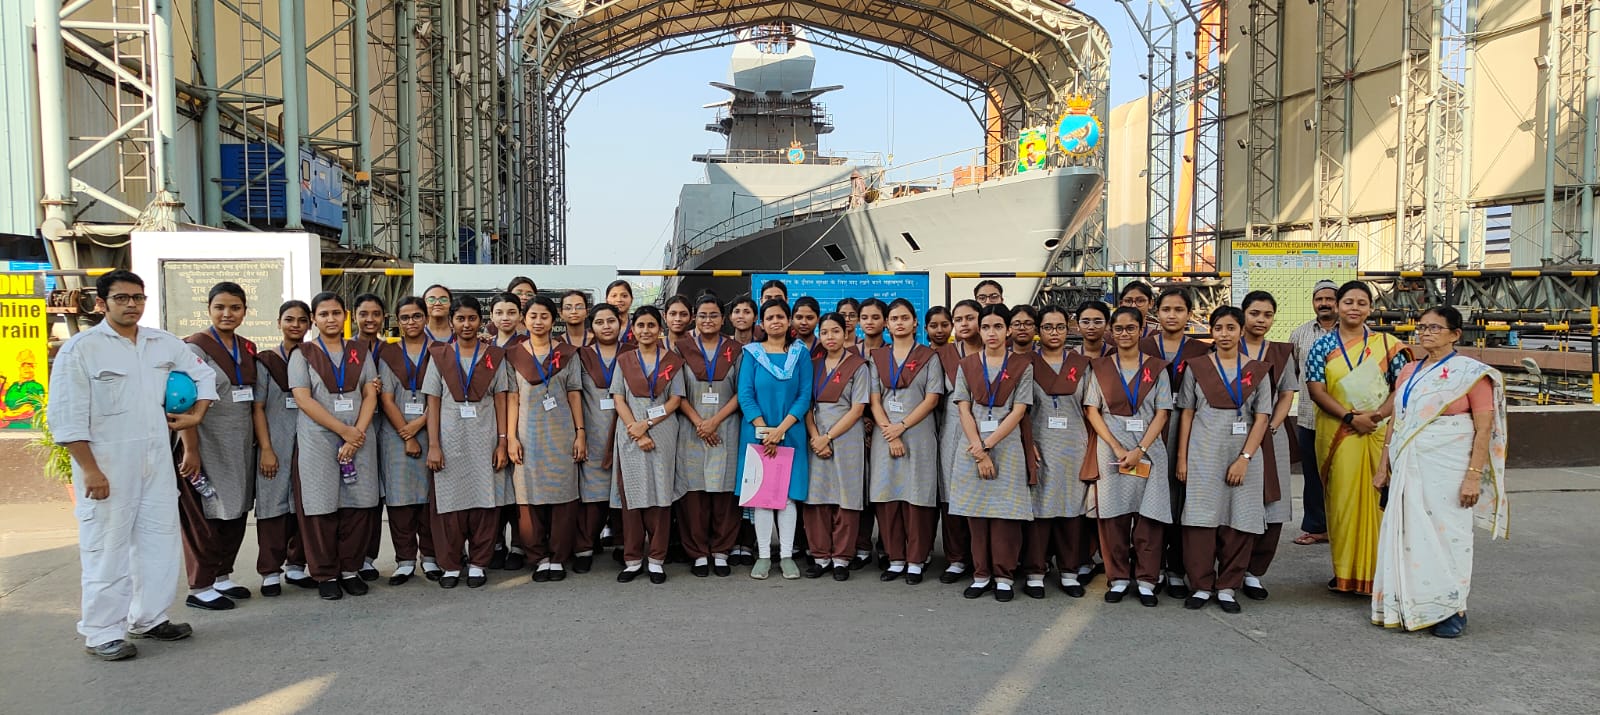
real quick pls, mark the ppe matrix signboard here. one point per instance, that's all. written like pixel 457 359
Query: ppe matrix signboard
pixel 1288 270
pixel 24 331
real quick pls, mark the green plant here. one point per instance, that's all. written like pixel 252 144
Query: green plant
pixel 57 460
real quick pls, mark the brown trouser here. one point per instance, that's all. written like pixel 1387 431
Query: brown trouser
pixel 209 545
pixel 831 530
pixel 1217 556
pixel 410 530
pixel 590 520
pixel 278 543
pixel 1264 549
pixel 996 544
pixel 508 519
pixel 708 523
pixel 864 529
pixel 472 529
pixel 334 543
pixel 547 531
pixel 375 534
pixel 650 525
pixel 1068 537
pixel 907 530
pixel 957 536
pixel 1131 538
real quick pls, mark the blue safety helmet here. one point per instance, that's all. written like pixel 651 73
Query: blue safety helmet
pixel 181 393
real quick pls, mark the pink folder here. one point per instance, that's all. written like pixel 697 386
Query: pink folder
pixel 765 482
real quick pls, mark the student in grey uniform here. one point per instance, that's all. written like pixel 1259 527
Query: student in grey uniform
pixel 1128 403
pixel 841 390
pixel 505 323
pixel 991 481
pixel 369 317
pixel 1058 440
pixel 907 383
pixel 279 556
pixel 575 319
pixel 936 324
pixel 336 462
pixel 402 442
pixel 964 341
pixel 546 439
pixel 466 385
pixel 599 365
pixel 1226 401
pixel 873 320
pixel 647 387
pixel 1278 449
pixel 216 473
pixel 678 314
pixel 1172 345
pixel 708 440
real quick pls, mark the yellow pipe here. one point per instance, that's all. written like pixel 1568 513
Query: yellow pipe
pixel 726 273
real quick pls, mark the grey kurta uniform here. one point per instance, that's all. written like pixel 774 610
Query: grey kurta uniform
pixel 468 480
pixel 227 438
pixel 547 474
pixel 1209 501
pixel 839 479
pixel 1282 510
pixel 1007 495
pixel 914 478
pixel 1060 493
pixel 702 468
pixel 649 477
pixel 405 479
pixel 594 480
pixel 321 489
pixel 1118 493
pixel 275 496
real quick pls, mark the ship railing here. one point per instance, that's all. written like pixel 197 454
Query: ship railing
pixel 781 156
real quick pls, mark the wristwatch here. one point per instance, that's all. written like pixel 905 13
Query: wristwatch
pixel 1245 455
pixel 1348 417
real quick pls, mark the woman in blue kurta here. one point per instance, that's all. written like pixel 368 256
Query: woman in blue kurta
pixel 774 395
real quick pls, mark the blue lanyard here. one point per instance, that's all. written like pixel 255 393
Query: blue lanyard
pixel 412 368
pixel 1238 381
pixel 895 370
pixel 338 367
pixel 466 377
pixel 1172 365
pixel 655 372
pixel 817 387
pixel 1416 376
pixel 1131 393
pixel 1260 354
pixel 992 388
pixel 429 333
pixel 238 374
pixel 1055 402
pixel 1363 356
pixel 377 342
pixel 606 370
pixel 710 362
pixel 539 364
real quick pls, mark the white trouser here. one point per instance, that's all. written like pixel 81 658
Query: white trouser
pixel 786 519
pixel 129 542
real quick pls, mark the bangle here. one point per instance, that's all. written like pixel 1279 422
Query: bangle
pixel 1475 469
pixel 501 436
pixel 581 429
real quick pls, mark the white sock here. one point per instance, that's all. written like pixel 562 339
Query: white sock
pixel 605 531
pixel 1202 595
pixel 1252 581
pixel 518 550
pixel 1002 585
pixel 1036 582
pixel 841 563
pixel 1119 586
pixel 701 561
pixel 980 584
pixel 296 572
pixel 474 572
pixel 914 568
pixel 1225 595
pixel 429 565
pixel 543 566
pixel 271 579
pixel 224 584
pixel 557 567
pixel 366 564
pixel 897 566
pixel 656 568
pixel 349 574
pixel 1146 590
pixel 206 594
pixel 452 574
pixel 634 566
pixel 956 567
pixel 721 561
pixel 582 554
pixel 1176 580
pixel 1085 570
pixel 822 562
pixel 863 555
pixel 1067 579
pixel 405 569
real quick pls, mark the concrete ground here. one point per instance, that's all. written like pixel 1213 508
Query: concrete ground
pixel 707 645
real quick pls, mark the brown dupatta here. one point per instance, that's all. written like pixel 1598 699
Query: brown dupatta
pixel 1011 372
pixel 689 350
pixel 482 376
pixel 590 359
pixel 1255 373
pixel 241 374
pixel 321 364
pixel 1075 368
pixel 915 361
pixel 277 367
pixel 834 388
pixel 394 355
pixel 522 360
pixel 1109 377
pixel 1193 347
pixel 639 383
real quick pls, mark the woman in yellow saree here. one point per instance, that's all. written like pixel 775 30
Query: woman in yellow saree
pixel 1350 374
pixel 1445 469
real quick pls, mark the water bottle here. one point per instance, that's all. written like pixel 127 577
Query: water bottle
pixel 202 484
pixel 347 469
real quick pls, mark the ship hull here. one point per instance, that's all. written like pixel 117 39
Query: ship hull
pixel 1001 225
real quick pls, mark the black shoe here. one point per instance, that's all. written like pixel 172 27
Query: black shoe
pixel 516 561
pixel 558 574
pixel 1195 603
pixel 1114 596
pixel 353 586
pixel 1004 595
pixel 399 579
pixel 216 604
pixel 676 554
pixel 582 564
pixel 1148 601
pixel 477 581
pixel 700 570
pixel 1033 591
pixel 841 573
pixel 165 631
pixel 1255 593
pixel 1229 606
pixel 977 591
pixel 1175 590
pixel 628 575
pixel 816 570
pixel 1074 590
pixel 432 574
pixel 541 575
pixel 449 581
pixel 722 570
pixel 616 555
pixel 883 561
pixel 329 591
pixel 497 560
pixel 658 577
pixel 888 576
pixel 271 590
pixel 237 593
pixel 859 562
pixel 368 574
pixel 1085 579
pixel 303 582
pixel 913 578
pixel 949 577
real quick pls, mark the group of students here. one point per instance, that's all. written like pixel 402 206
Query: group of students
pixel 558 421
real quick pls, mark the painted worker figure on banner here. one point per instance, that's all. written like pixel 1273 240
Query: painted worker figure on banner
pixel 24 395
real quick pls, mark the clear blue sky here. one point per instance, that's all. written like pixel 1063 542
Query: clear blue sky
pixel 629 142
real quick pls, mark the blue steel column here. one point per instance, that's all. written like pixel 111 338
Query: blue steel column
pixel 205 30
pixel 291 55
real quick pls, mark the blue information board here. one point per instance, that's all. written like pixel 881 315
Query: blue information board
pixel 830 288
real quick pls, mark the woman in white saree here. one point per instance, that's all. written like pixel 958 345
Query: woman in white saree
pixel 1444 467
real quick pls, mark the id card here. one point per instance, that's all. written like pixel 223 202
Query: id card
pixel 344 405
pixel 655 411
pixel 289 404
pixel 549 403
pixel 244 394
pixel 607 403
pixel 988 426
pixel 1058 423
pixel 894 406
pixel 412 408
pixel 1135 426
pixel 710 398
pixel 1140 470
pixel 1241 428
pixel 761 432
pixel 469 412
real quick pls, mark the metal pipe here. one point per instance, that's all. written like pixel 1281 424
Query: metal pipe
pixel 1552 103
pixel 205 30
pixel 445 105
pixel 1591 131
pixel 166 98
pixel 301 63
pixel 1465 225
pixel 54 150
pixel 363 124
pixel 290 54
pixel 407 105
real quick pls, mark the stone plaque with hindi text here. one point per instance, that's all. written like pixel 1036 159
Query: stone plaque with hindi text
pixel 184 285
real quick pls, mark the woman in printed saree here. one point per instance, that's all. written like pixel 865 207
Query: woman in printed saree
pixel 1350 374
pixel 1444 466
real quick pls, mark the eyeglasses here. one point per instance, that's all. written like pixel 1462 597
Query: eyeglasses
pixel 125 299
pixel 986 297
pixel 1424 328
pixel 412 317
pixel 1053 328
pixel 1092 322
pixel 436 300
pixel 1125 328
pixel 1022 324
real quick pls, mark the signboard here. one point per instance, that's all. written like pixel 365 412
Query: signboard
pixel 1033 150
pixel 184 285
pixel 1288 270
pixel 830 288
pixel 24 352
